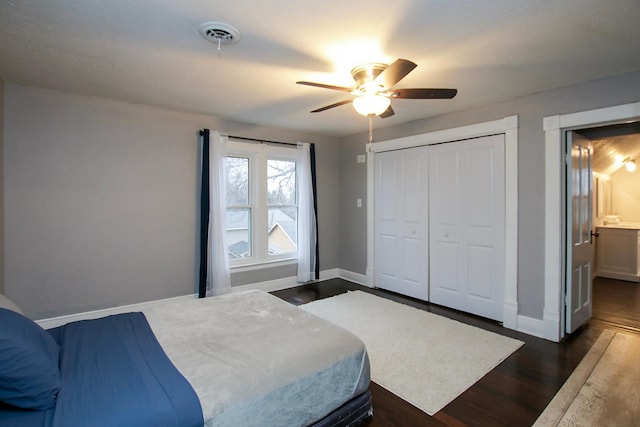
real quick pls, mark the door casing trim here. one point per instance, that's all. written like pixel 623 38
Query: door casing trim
pixel 554 264
pixel 507 126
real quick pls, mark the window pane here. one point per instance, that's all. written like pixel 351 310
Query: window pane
pixel 239 233
pixel 283 230
pixel 237 181
pixel 281 182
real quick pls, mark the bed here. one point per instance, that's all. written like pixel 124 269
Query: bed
pixel 242 359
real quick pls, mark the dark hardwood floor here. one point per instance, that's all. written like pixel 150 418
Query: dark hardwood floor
pixel 518 390
pixel 617 303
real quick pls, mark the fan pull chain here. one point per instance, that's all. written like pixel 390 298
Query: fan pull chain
pixel 370 116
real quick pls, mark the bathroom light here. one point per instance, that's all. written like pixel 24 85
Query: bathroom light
pixel 630 165
pixel 371 104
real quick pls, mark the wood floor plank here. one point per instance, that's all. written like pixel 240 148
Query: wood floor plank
pixel 556 410
pixel 516 392
pixel 610 396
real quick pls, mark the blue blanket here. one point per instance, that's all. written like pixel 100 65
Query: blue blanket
pixel 114 373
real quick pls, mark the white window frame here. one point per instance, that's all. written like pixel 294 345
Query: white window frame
pixel 258 154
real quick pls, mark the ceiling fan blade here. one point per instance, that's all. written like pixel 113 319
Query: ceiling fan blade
pixel 337 104
pixel 387 113
pixel 424 93
pixel 394 73
pixel 322 85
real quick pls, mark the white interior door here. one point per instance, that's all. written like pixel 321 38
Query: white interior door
pixel 467 225
pixel 401 221
pixel 579 222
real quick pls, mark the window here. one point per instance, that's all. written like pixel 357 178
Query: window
pixel 238 207
pixel 262 207
pixel 282 210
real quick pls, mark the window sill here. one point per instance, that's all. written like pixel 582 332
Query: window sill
pixel 262 265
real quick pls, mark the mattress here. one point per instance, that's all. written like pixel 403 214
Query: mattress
pixel 255 360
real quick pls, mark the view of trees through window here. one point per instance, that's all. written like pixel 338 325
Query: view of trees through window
pixel 239 212
pixel 281 207
pixel 282 227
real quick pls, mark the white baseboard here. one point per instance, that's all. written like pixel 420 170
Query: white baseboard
pixel 54 322
pixel 531 326
pixel 627 277
pixel 510 315
pixel 268 286
pixel 526 325
pixel 330 274
pixel 358 278
pixel 551 330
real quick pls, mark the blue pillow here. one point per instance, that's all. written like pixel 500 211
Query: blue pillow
pixel 29 372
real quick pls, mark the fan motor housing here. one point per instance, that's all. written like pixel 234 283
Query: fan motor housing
pixel 367 73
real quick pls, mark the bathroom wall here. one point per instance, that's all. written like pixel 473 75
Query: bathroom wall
pixel 626 195
pixel 601 198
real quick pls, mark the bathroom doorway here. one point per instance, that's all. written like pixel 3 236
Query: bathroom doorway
pixel 616 223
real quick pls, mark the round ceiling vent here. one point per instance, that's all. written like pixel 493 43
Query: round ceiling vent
pixel 219 33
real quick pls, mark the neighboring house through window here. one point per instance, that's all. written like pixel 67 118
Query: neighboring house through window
pixel 262 206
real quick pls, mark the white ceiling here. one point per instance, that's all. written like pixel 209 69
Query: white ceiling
pixel 609 153
pixel 150 52
pixel 613 144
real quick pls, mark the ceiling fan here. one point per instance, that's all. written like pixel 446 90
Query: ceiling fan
pixel 374 88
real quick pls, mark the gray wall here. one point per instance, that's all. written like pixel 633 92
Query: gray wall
pixel 353 220
pixel 100 196
pixel 1 185
pixel 101 200
pixel 531 154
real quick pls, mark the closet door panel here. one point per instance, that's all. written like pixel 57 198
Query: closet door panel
pixel 467 210
pixel 445 186
pixel 445 227
pixel 386 267
pixel 481 194
pixel 440 224
pixel 401 222
pixel 446 258
pixel 388 185
pixel 414 189
pixel 412 261
pixel 480 272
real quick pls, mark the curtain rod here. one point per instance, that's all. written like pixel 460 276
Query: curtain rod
pixel 265 141
pixel 262 141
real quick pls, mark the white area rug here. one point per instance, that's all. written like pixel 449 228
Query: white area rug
pixel 426 359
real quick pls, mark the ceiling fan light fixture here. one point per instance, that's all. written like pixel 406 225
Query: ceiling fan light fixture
pixel 630 165
pixel 371 104
pixel 374 88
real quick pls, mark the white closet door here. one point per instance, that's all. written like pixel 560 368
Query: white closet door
pixel 467 225
pixel 401 222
